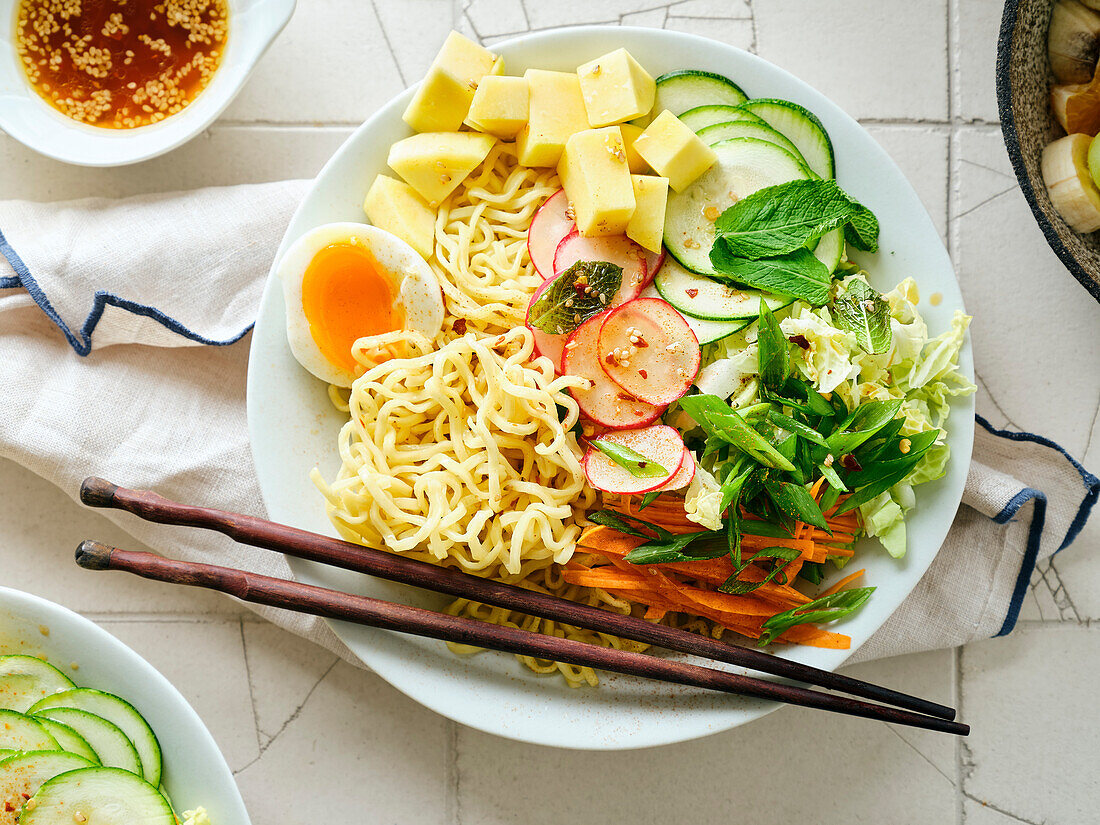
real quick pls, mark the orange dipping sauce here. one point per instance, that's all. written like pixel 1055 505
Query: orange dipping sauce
pixel 120 64
pixel 346 295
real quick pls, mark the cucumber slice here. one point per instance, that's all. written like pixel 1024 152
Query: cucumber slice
pixel 706 331
pixel 744 128
pixel 743 166
pixel 21 733
pixel 119 712
pixel 830 249
pixel 26 679
pixel 701 297
pixel 21 775
pixel 69 739
pixel 103 796
pixel 802 128
pixel 703 116
pixel 106 739
pixel 687 88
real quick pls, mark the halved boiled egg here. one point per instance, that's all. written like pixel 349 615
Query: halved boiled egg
pixel 345 281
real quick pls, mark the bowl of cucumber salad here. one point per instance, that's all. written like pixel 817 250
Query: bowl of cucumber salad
pixel 91 733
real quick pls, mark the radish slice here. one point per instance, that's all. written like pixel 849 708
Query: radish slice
pixel 615 249
pixel 653 262
pixel 550 224
pixel 658 443
pixel 684 475
pixel 648 349
pixel 546 343
pixel 604 402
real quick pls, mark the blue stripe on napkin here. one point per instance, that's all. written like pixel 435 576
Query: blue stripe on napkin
pixel 82 341
pixel 1038 519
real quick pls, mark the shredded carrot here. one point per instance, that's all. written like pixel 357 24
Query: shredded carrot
pixel 840 585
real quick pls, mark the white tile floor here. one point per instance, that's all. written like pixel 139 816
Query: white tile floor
pixel 315 740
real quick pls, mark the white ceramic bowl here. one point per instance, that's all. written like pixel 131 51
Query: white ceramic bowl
pixel 293 428
pixel 195 772
pixel 25 116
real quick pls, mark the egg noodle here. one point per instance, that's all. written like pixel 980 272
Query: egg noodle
pixel 459 450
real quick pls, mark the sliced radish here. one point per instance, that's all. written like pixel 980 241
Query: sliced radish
pixel 605 402
pixel 546 343
pixel 683 476
pixel 658 443
pixel 615 249
pixel 653 261
pixel 648 349
pixel 550 224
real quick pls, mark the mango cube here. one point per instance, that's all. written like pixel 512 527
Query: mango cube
pixel 647 224
pixel 395 206
pixel 500 106
pixel 556 112
pixel 674 151
pixel 615 88
pixel 443 98
pixel 596 179
pixel 435 163
pixel 633 159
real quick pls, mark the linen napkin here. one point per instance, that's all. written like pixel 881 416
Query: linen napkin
pixel 124 332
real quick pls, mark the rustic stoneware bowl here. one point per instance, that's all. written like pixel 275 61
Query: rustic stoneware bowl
pixel 1023 84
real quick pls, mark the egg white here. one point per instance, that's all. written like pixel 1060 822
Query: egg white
pixel 419 293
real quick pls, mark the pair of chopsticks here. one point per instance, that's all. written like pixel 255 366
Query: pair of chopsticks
pixel 897 707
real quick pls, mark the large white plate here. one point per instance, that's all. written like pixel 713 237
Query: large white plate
pixel 293 428
pixel 195 772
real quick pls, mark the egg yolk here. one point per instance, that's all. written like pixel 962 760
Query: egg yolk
pixel 346 295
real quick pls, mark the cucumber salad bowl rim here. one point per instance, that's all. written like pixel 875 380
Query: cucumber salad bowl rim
pixel 293 426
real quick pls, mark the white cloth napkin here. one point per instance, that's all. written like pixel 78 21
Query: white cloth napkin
pixel 123 347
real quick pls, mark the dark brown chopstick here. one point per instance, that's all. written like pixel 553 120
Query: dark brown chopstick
pixel 257 532
pixel 334 604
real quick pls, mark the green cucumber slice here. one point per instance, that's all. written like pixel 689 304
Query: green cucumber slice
pixel 706 331
pixel 106 739
pixel 69 739
pixel 119 712
pixel 688 88
pixel 698 296
pixel 744 128
pixel 103 796
pixel 21 733
pixel 743 166
pixel 703 116
pixel 22 775
pixel 801 127
pixel 26 679
pixel 830 249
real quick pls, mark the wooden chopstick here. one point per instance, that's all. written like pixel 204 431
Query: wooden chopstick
pixel 97 492
pixel 334 604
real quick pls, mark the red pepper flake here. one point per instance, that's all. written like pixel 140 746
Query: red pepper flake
pixel 643 373
pixel 460 326
pixel 800 340
pixel 643 464
pixel 692 293
pixel 627 398
pixel 609 359
pixel 849 462
pixel 642 344
pixel 9 807
pixel 580 288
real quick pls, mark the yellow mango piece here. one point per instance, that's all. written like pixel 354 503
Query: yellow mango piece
pixel 616 88
pixel 395 206
pixel 647 224
pixel 441 102
pixel 674 151
pixel 633 159
pixel 435 163
pixel 556 112
pixel 596 179
pixel 500 106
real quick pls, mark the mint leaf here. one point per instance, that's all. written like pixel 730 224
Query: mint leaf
pixel 862 229
pixel 780 219
pixel 582 291
pixel 774 354
pixel 826 609
pixel 862 311
pixel 798 274
pixel 634 463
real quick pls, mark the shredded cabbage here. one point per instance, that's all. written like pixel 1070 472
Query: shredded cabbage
pixel 196 817
pixel 704 500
